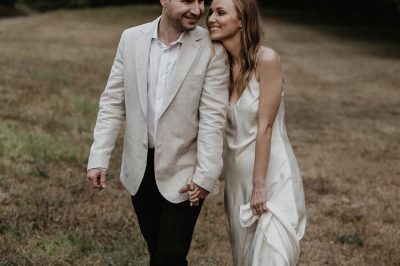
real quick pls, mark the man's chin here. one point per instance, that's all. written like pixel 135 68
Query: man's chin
pixel 190 24
pixel 189 27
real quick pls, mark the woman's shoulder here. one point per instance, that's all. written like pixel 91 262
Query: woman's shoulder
pixel 268 63
pixel 267 56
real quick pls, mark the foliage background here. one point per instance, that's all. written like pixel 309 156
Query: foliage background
pixel 356 9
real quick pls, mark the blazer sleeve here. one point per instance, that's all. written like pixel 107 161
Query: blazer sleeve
pixel 212 111
pixel 111 113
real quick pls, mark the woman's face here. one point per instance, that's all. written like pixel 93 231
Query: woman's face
pixel 222 21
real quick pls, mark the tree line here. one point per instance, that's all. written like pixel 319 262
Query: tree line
pixel 365 8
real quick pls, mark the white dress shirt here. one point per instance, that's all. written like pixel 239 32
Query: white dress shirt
pixel 161 65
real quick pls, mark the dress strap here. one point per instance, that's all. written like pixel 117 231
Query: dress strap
pixel 283 79
pixel 262 48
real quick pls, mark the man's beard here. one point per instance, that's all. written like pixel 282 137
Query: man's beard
pixel 178 24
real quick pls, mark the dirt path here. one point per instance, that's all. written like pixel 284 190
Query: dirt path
pixel 342 114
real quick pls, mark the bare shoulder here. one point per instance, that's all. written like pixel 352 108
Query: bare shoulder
pixel 268 58
pixel 268 64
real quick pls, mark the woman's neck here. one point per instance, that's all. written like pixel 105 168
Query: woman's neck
pixel 233 46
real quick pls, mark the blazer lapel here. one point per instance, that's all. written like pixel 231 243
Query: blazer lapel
pixel 142 61
pixel 190 48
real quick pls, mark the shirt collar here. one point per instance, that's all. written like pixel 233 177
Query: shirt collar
pixel 155 34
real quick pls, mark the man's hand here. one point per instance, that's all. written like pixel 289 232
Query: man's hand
pixel 97 176
pixel 196 193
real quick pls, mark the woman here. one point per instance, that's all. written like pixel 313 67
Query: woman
pixel 264 198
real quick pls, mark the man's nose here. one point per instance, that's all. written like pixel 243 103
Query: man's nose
pixel 196 8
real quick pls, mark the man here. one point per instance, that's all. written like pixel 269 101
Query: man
pixel 169 82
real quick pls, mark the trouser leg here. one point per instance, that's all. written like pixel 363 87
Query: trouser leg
pixel 176 230
pixel 167 227
pixel 147 205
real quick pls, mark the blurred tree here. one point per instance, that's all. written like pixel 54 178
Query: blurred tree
pixel 364 9
pixel 45 5
pixel 7 2
pixel 373 10
pixel 338 4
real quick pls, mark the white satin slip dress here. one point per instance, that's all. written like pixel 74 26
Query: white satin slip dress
pixel 284 224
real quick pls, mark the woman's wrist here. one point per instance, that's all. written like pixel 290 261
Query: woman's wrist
pixel 258 182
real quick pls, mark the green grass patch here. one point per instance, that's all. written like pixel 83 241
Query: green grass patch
pixel 351 240
pixel 3 262
pixel 126 251
pixel 73 244
pixel 85 106
pixel 45 74
pixel 78 247
pixel 84 113
pixel 32 150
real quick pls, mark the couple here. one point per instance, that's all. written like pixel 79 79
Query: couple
pixel 178 89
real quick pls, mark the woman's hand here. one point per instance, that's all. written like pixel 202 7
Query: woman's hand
pixel 258 200
pixel 195 192
pixel 194 196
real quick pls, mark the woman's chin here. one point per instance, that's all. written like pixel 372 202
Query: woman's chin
pixel 214 37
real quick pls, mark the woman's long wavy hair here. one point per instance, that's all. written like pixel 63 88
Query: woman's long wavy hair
pixel 250 37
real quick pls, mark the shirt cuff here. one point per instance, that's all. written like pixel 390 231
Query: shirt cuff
pixel 98 168
pixel 209 184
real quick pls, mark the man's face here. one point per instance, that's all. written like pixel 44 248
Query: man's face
pixel 183 14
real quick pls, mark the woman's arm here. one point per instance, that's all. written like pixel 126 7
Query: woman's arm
pixel 269 74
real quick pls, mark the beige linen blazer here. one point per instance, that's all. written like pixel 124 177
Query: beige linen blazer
pixel 192 117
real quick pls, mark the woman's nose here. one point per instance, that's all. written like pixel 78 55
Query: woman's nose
pixel 211 18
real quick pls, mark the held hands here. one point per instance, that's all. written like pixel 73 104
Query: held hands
pixel 196 193
pixel 258 202
pixel 97 176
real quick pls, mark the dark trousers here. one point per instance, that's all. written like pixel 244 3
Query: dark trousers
pixel 167 227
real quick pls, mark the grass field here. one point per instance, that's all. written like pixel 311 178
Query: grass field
pixel 342 102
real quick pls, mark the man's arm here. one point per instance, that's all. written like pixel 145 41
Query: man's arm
pixel 213 108
pixel 109 118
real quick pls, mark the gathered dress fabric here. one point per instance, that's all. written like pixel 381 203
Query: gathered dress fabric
pixel 271 239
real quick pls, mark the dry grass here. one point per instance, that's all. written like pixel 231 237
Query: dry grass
pixel 343 111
